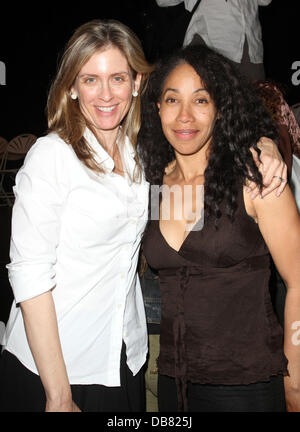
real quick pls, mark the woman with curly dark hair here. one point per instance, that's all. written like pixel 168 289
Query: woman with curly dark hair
pixel 221 345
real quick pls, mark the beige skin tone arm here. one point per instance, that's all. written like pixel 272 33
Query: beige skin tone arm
pixel 279 223
pixel 42 333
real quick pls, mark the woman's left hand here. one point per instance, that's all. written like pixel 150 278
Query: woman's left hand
pixel 272 168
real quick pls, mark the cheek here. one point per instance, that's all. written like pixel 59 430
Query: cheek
pixel 167 132
pixel 166 118
pixel 86 95
pixel 124 94
pixel 164 123
pixel 208 120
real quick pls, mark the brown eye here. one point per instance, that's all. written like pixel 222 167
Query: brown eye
pixel 170 100
pixel 201 101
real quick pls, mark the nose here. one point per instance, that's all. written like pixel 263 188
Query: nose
pixel 185 114
pixel 105 92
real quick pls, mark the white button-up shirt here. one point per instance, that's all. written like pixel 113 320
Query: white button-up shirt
pixel 78 233
pixel 224 24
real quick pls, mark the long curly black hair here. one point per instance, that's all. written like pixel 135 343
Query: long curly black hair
pixel 242 121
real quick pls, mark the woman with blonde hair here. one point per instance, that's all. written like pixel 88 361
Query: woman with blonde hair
pixel 78 341
pixel 76 338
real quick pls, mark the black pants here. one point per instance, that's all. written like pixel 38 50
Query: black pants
pixel 259 397
pixel 21 390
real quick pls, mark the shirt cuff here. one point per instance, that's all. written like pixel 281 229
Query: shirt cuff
pixel 31 280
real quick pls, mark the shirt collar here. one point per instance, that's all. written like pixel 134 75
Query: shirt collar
pixel 102 157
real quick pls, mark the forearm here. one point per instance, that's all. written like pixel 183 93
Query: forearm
pixel 292 341
pixel 42 333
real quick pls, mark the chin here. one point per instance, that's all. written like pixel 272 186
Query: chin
pixel 186 152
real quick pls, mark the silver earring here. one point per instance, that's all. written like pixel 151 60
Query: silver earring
pixel 73 96
pixel 135 93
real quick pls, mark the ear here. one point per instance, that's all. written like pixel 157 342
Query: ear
pixel 158 106
pixel 137 82
pixel 73 93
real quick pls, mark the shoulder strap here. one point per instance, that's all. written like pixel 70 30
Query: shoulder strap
pixel 195 7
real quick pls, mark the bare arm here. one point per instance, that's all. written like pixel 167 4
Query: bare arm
pixel 279 223
pixel 40 194
pixel 42 333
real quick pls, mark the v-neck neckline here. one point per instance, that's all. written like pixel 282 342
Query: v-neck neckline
pixel 186 238
pixel 182 244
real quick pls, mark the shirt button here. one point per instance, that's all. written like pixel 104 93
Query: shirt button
pixel 122 276
pixel 119 306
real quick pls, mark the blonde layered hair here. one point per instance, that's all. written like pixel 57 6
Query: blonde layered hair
pixel 64 114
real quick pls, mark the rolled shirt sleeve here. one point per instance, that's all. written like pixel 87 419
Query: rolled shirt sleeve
pixel 39 193
pixel 264 2
pixel 166 3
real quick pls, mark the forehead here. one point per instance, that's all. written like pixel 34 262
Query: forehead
pixel 182 76
pixel 107 60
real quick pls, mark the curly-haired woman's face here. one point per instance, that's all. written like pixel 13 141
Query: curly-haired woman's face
pixel 187 111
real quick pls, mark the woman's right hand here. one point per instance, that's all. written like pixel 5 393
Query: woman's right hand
pixel 69 406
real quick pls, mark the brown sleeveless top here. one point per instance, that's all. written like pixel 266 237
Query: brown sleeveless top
pixel 218 325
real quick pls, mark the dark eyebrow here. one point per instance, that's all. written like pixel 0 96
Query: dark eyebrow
pixel 177 91
pixel 200 89
pixel 170 89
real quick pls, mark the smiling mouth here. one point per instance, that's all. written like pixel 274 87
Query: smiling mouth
pixel 185 132
pixel 106 109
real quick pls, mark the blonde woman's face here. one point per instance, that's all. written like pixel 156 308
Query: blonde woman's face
pixel 104 88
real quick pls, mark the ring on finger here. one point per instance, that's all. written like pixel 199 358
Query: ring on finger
pixel 280 178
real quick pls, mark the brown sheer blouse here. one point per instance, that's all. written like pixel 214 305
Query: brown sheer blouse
pixel 218 325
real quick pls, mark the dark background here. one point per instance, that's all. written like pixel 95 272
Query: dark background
pixel 32 37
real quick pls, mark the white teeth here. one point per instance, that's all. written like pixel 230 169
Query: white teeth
pixel 106 109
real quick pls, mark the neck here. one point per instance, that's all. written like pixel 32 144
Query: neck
pixel 108 140
pixel 189 167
